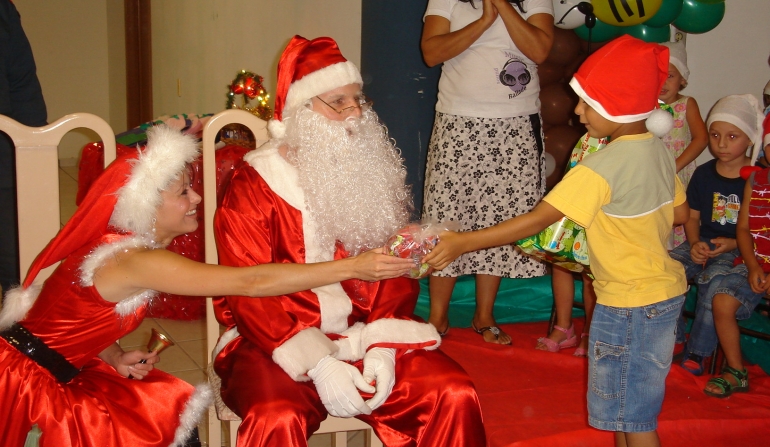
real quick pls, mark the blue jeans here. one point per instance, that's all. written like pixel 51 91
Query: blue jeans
pixel 701 274
pixel 629 357
pixel 703 335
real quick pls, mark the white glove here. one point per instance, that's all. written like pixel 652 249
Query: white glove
pixel 380 365
pixel 336 383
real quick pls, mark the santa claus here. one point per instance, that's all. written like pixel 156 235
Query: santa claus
pixel 330 183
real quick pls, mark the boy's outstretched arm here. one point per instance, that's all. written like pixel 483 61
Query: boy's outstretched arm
pixel 451 244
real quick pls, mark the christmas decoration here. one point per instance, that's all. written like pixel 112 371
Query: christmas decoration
pixel 250 86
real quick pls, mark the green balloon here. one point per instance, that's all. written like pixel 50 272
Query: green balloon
pixel 710 2
pixel 601 32
pixel 649 34
pixel 668 12
pixel 698 17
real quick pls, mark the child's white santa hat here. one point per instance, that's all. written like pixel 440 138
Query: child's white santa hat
pixel 678 57
pixel 622 81
pixel 743 112
pixel 308 68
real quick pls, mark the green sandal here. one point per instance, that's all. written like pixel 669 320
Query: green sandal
pixel 728 388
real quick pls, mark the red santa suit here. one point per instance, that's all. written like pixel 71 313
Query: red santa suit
pixel 94 405
pixel 51 334
pixel 272 342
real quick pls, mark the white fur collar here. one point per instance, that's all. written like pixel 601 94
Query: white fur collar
pixel 97 258
pixel 283 179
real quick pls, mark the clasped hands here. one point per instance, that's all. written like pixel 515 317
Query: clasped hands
pixel 338 383
pixel 700 252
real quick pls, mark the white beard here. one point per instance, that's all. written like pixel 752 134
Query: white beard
pixel 353 178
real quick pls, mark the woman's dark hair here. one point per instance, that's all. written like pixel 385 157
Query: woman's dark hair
pixel 517 3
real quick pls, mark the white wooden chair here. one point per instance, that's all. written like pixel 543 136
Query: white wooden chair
pixel 37 178
pixel 37 185
pixel 337 426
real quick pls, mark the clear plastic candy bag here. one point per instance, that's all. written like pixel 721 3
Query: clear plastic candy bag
pixel 415 241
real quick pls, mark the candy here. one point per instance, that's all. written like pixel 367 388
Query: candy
pixel 413 241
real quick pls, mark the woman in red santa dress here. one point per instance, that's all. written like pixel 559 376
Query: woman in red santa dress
pixel 60 366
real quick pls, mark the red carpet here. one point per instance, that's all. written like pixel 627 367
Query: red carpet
pixel 535 398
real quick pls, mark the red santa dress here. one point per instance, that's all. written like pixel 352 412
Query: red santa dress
pixel 272 342
pixel 98 406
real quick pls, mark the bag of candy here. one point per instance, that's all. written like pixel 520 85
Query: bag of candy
pixel 564 242
pixel 415 241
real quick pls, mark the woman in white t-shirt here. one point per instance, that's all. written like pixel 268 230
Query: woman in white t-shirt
pixel 485 158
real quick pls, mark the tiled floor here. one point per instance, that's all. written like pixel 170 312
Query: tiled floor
pixel 187 358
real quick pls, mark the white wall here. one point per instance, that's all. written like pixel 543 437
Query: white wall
pixel 80 52
pixel 201 45
pixel 73 43
pixel 732 58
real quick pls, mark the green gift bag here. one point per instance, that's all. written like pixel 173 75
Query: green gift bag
pixel 564 242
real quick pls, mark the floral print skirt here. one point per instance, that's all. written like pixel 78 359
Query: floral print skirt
pixel 480 172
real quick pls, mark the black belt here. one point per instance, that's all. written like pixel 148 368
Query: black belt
pixel 34 348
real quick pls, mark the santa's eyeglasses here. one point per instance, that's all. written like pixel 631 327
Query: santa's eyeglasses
pixel 362 102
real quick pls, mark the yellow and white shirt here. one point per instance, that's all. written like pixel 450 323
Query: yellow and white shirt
pixel 624 195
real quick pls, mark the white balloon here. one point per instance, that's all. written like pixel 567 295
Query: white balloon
pixel 566 18
pixel 550 164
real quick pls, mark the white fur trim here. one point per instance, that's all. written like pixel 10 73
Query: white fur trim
pixel 18 301
pixel 321 81
pixel 302 352
pixel 224 340
pixel 193 413
pixel 283 179
pixel 168 151
pixel 659 123
pixel 600 109
pixel 99 256
pixel 276 128
pixel 390 331
pixel 350 346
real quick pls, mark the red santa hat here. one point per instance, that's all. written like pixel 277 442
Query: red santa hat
pixel 308 68
pixel 124 197
pixel 622 82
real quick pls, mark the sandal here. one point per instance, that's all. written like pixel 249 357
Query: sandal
pixel 693 363
pixel 443 333
pixel 581 352
pixel 493 329
pixel 742 377
pixel 552 346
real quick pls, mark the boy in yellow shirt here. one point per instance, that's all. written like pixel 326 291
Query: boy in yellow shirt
pixel 628 198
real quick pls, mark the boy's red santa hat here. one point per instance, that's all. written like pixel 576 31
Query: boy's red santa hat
pixel 308 68
pixel 622 82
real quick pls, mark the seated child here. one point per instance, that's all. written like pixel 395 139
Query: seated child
pixel 627 196
pixel 689 137
pixel 732 294
pixel 714 195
